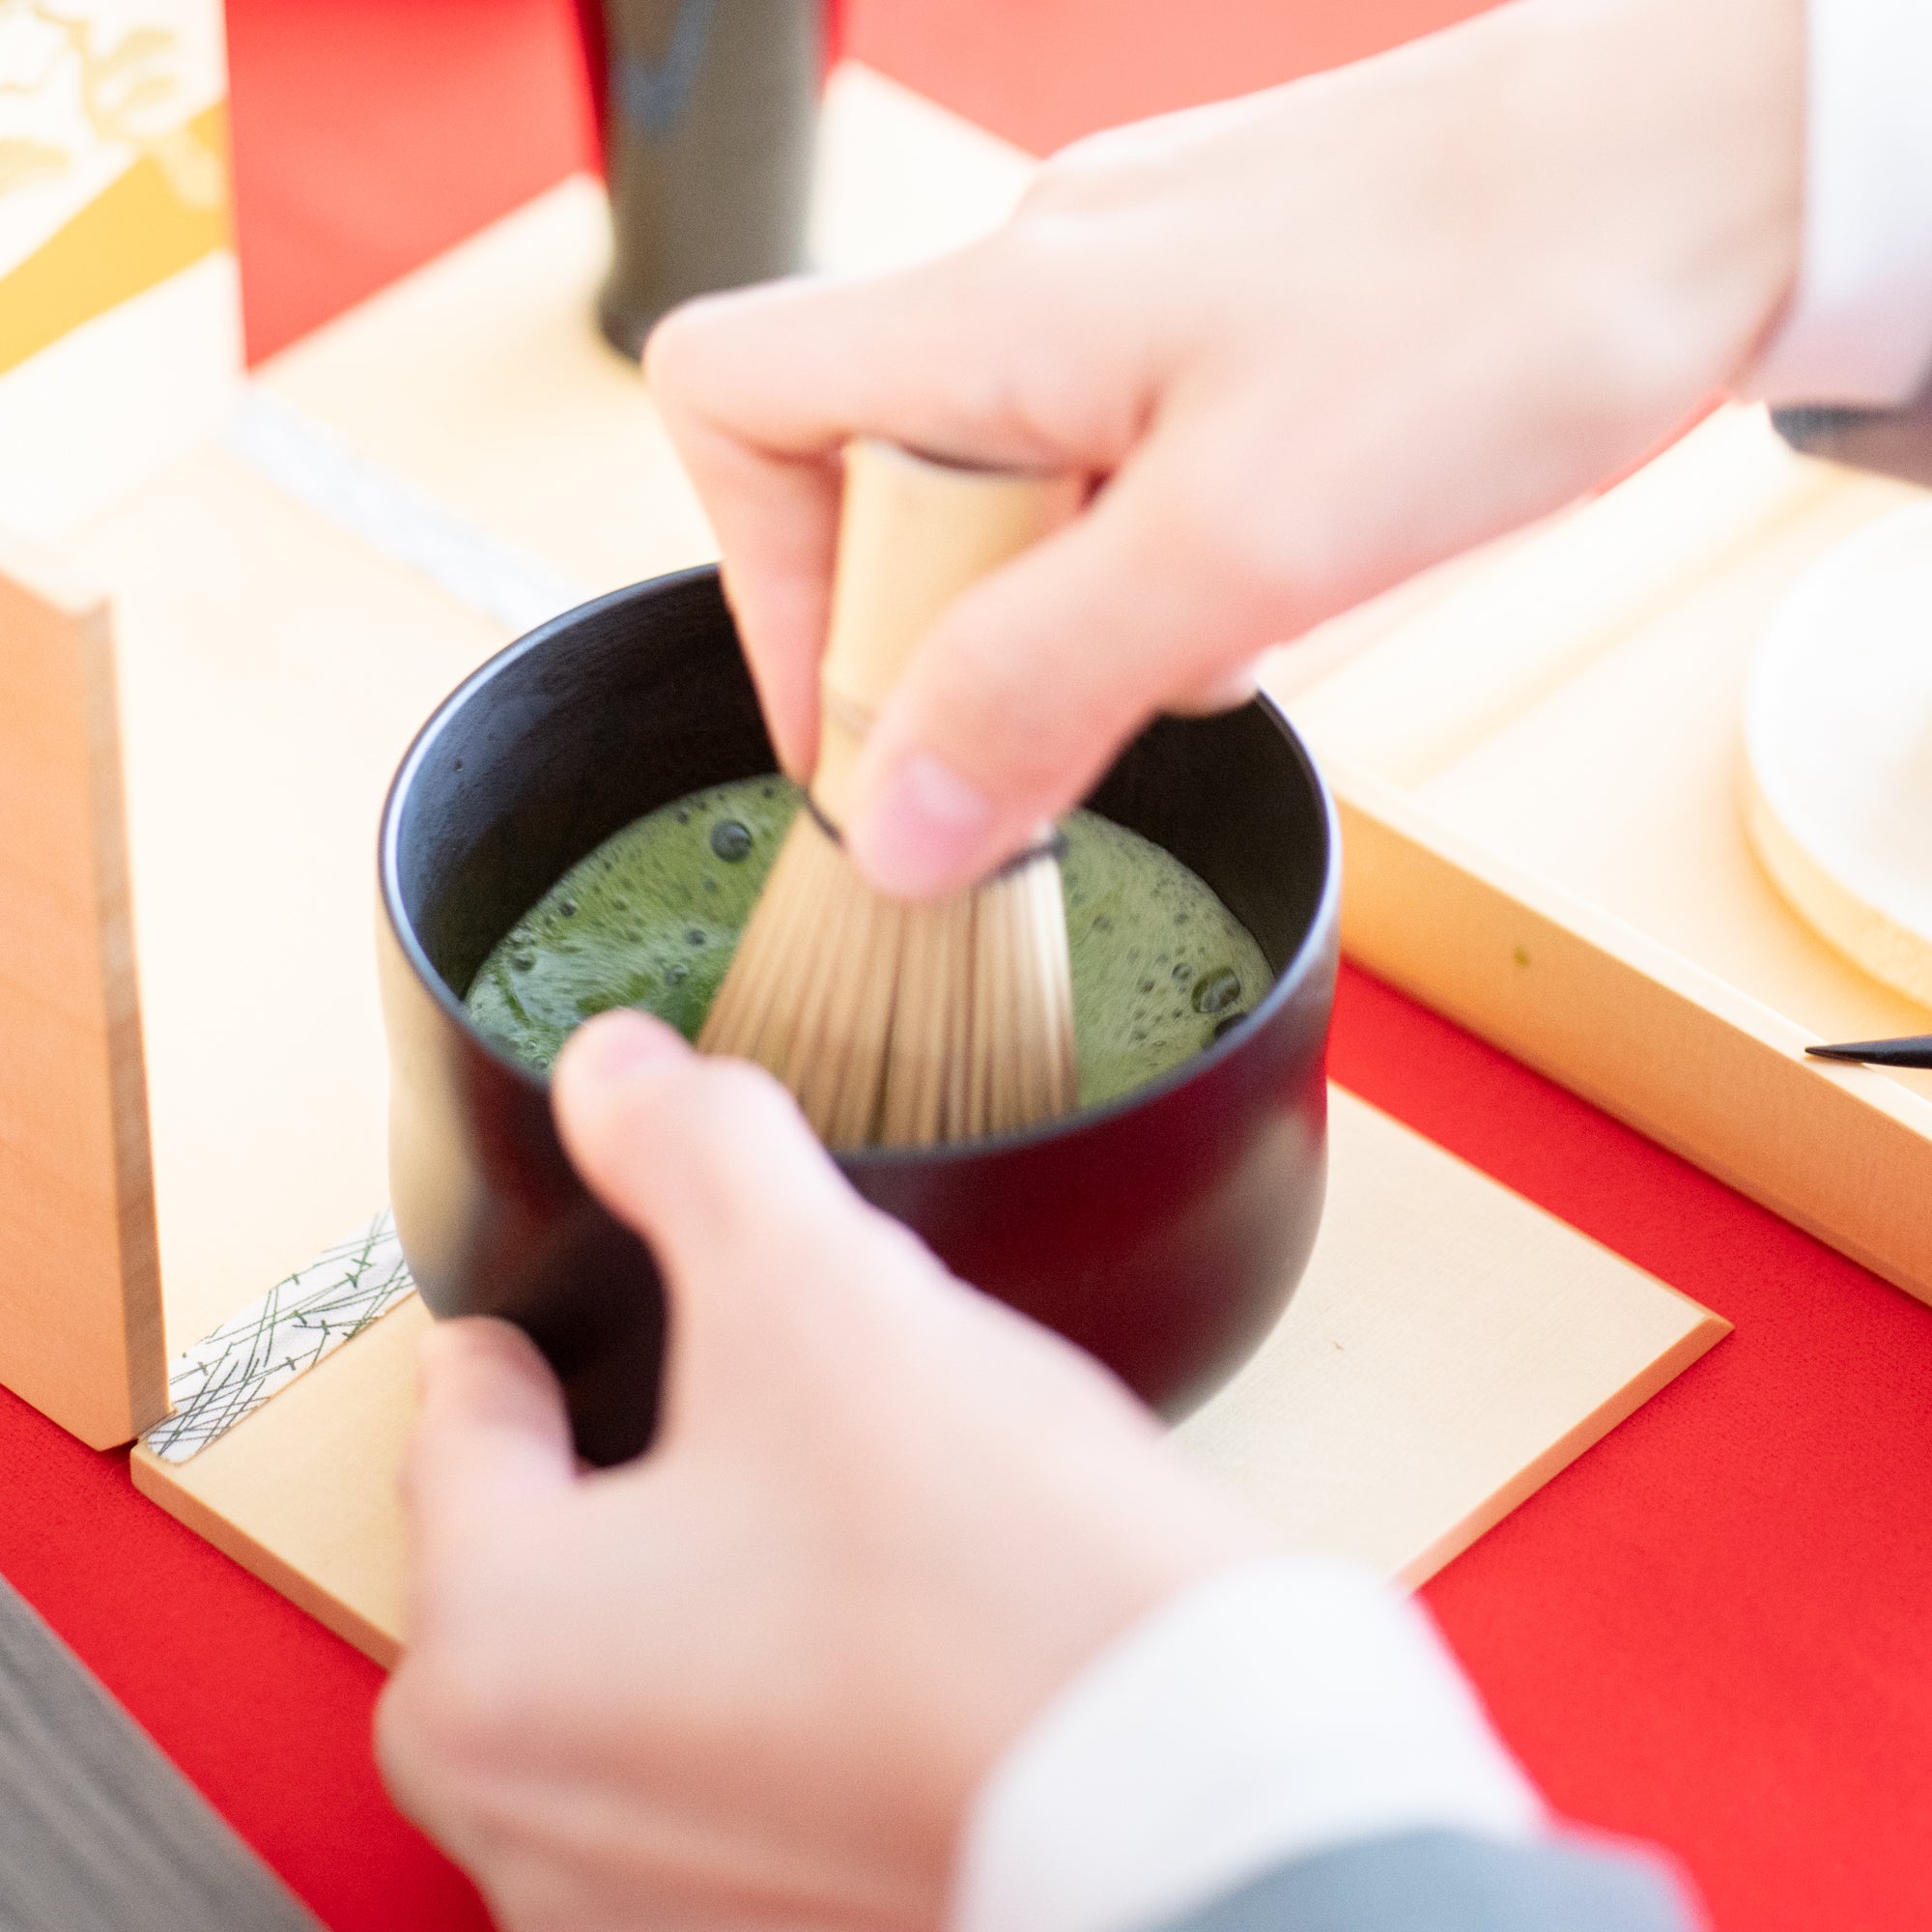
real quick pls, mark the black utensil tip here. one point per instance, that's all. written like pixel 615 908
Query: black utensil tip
pixel 1913 1051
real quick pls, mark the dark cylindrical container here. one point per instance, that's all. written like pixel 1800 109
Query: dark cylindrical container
pixel 711 108
pixel 1163 1231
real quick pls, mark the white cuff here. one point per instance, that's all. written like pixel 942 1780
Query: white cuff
pixel 1859 330
pixel 1281 1709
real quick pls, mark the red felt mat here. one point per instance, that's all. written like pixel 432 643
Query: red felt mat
pixel 1713 1629
pixel 260 1707
pixel 1043 72
pixel 372 134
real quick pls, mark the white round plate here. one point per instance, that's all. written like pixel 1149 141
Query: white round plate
pixel 1838 749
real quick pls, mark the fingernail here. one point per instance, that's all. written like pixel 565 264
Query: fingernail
pixel 923 830
pixel 615 1045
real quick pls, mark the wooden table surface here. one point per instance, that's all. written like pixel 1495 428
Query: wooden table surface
pixel 1710 1631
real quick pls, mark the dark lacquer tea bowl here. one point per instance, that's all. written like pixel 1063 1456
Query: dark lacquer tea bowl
pixel 1163 1231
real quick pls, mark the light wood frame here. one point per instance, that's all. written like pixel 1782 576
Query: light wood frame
pixel 80 1296
pixel 1538 767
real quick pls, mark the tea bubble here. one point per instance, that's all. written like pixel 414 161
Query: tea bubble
pixel 730 839
pixel 1217 991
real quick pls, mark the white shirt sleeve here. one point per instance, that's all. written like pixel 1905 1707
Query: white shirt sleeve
pixel 1289 1706
pixel 1859 330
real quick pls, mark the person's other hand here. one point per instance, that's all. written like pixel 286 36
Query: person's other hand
pixel 1304 343
pixel 753 1678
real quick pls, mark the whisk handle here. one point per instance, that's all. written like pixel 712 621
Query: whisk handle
pixel 914 533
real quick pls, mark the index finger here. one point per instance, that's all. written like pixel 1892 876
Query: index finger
pixel 761 388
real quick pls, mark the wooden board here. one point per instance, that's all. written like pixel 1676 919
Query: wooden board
pixel 304 1492
pixel 1549 847
pixel 272 671
pixel 80 1311
pixel 1451 1347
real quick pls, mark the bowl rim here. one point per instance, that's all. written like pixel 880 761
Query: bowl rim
pixel 1305 959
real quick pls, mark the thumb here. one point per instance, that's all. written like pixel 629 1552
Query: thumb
pixel 711 1161
pixel 490 1431
pixel 1025 690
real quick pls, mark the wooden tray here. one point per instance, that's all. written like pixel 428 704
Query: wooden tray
pixel 1538 764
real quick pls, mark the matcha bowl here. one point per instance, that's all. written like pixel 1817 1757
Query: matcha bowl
pixel 1163 1231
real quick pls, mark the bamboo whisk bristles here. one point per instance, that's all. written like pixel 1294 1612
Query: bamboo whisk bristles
pixel 895 1023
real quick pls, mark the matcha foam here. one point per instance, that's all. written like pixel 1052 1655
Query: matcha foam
pixel 650 919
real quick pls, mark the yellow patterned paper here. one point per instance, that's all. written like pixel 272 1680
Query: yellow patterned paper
pixel 113 166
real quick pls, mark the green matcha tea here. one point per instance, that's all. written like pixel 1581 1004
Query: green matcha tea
pixel 652 918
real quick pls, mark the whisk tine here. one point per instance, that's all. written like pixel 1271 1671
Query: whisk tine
pixel 853 954
pixel 748 1009
pixel 904 1023
pixel 925 1033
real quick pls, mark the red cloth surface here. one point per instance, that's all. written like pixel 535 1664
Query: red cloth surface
pixel 1043 71
pixel 1711 1631
pixel 372 134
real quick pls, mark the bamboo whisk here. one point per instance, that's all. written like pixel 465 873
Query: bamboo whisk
pixel 899 1023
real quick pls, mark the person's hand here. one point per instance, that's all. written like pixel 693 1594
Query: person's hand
pixel 753 1678
pixel 1304 343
